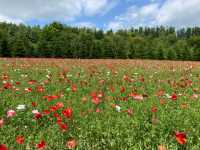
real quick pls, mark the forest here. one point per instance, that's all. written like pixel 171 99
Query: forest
pixel 57 40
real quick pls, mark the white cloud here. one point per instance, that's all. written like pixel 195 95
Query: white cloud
pixel 115 25
pixel 40 9
pixel 178 13
pixel 135 16
pixel 94 7
pixel 11 20
pixel 66 10
pixel 85 24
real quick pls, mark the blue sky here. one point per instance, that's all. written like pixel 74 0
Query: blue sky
pixel 103 14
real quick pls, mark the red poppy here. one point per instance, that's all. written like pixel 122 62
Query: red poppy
pixel 56 115
pixel 136 96
pixel 122 89
pixel 63 126
pixel 7 85
pixel 96 100
pixel 20 139
pixel 59 119
pixel 32 82
pixel 38 116
pixel 28 89
pixel 98 110
pixel 142 79
pixel 53 108
pixel 71 144
pixel 74 88
pixel 17 83
pixel 40 89
pixel 46 112
pixel 3 147
pixel 41 145
pixel 180 137
pixel 34 104
pixel 67 112
pixel 126 78
pixel 93 94
pixel 154 109
pixel 50 98
pixel 174 97
pixel 112 89
pixel 59 105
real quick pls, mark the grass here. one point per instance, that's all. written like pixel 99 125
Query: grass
pixel 140 124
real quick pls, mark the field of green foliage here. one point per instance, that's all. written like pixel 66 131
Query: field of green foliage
pixel 99 104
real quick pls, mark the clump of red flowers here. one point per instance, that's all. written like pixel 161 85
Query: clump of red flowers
pixel 3 147
pixel 154 109
pixel 50 98
pixel 136 96
pixel 74 88
pixel 28 89
pixel 34 104
pixel 41 145
pixel 68 112
pixel 174 97
pixel 63 126
pixel 19 139
pixel 122 89
pixel 7 85
pixel 38 116
pixel 180 137
pixel 40 89
pixel 96 98
pixel 71 144
pixel 31 82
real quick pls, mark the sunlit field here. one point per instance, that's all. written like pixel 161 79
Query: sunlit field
pixel 58 104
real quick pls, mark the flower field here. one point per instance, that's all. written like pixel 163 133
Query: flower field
pixel 58 104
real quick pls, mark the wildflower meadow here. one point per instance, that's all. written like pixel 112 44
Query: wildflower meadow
pixel 57 104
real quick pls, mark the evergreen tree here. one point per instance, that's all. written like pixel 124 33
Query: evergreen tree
pixel 58 40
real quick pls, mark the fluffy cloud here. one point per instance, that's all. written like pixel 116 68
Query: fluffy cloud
pixel 40 9
pixel 52 10
pixel 177 13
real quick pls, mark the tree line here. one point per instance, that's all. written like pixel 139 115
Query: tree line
pixel 61 41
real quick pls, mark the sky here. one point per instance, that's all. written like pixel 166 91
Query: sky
pixel 102 14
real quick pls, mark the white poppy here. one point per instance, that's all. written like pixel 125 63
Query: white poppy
pixel 118 108
pixel 35 111
pixel 21 107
